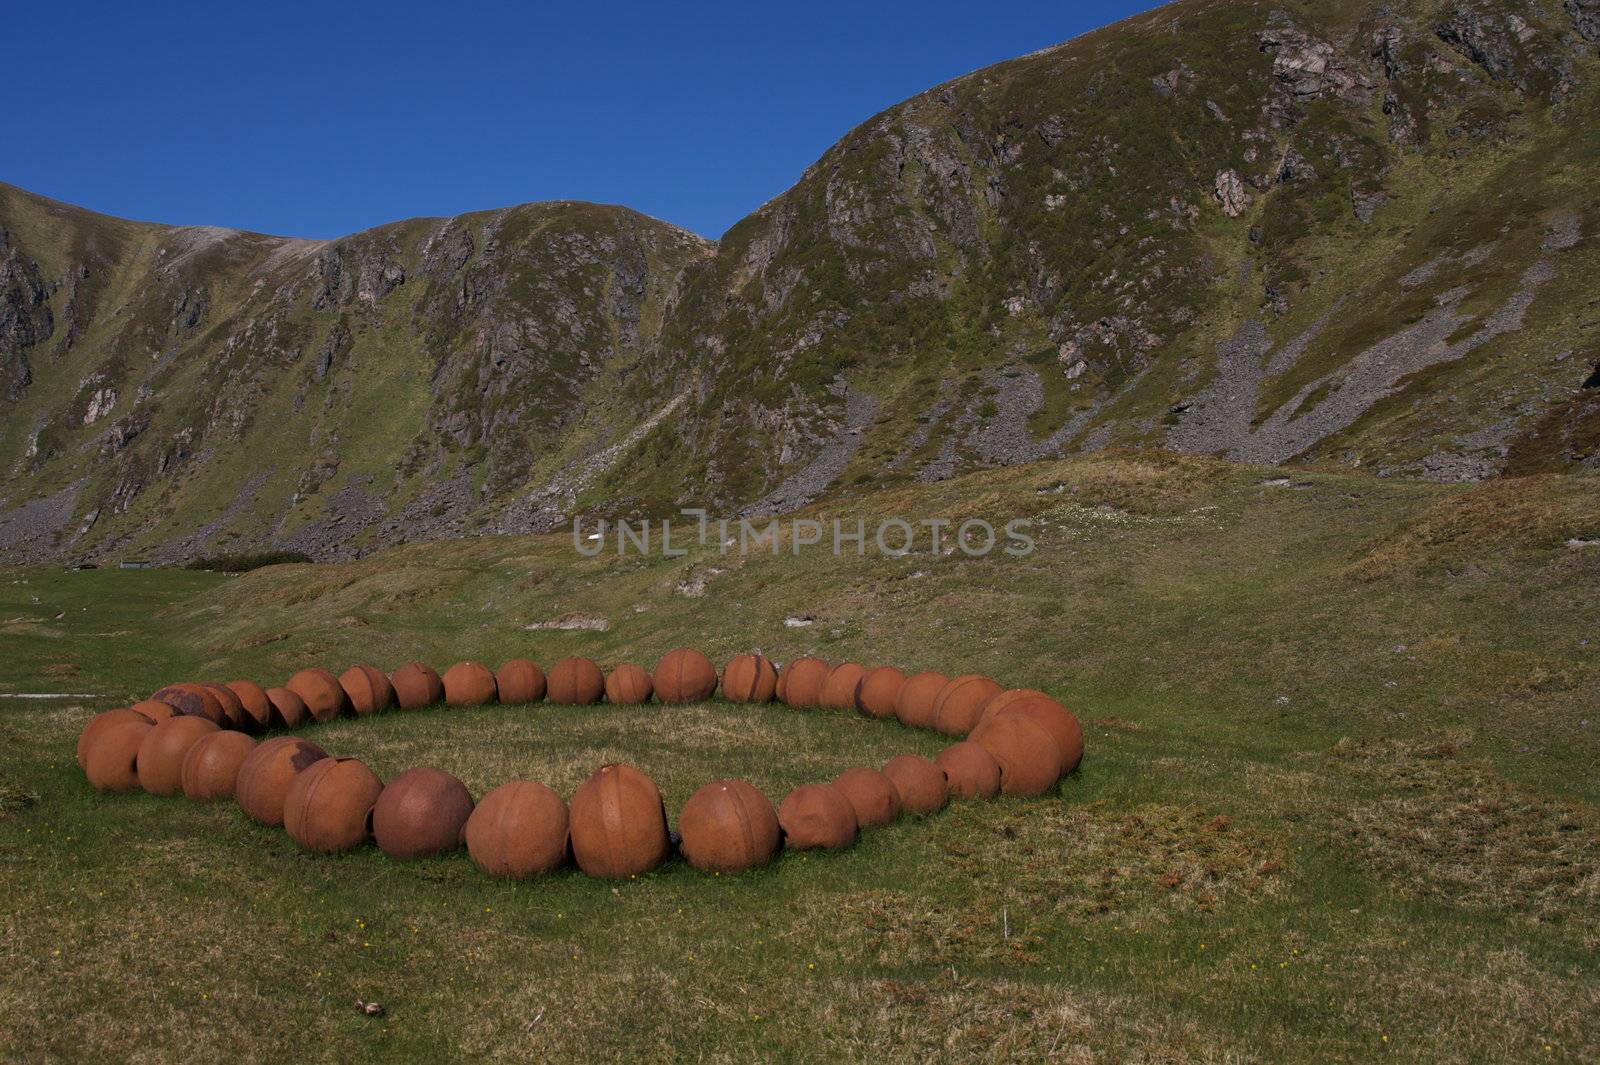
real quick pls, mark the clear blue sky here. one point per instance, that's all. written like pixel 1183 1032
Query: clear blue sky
pixel 319 120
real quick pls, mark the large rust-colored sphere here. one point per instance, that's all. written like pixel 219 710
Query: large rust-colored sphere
pixel 520 829
pixel 288 709
pixel 958 704
pixel 1030 761
pixel 520 681
pixel 1001 700
pixel 575 682
pixel 211 767
pixel 161 754
pixel 328 808
pixel 619 826
pixel 469 684
pixel 879 689
pixel 914 705
pixel 191 699
pixel 727 827
pixel 628 685
pixel 153 711
pixel 800 682
pixel 257 707
pixel 421 813
pixel 321 691
pixel 871 794
pixel 970 770
pixel 112 761
pixel 368 689
pixel 841 685
pixel 102 721
pixel 266 773
pixel 684 676
pixel 416 685
pixel 1061 723
pixel 817 815
pixel 232 708
pixel 920 784
pixel 750 679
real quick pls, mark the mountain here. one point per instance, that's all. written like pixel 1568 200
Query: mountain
pixel 1328 234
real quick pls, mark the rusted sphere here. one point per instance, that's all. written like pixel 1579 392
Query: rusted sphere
pixel 1001 700
pixel 1061 723
pixel 211 767
pixel 879 689
pixel 288 709
pixel 153 711
pixel 619 825
pixel 841 685
pixel 99 723
pixel 914 705
pixel 817 815
pixel 266 773
pixel 469 684
pixel 727 827
pixel 520 829
pixel 421 813
pixel 684 676
pixel 191 699
pixel 970 770
pixel 257 707
pixel 321 692
pixel 750 679
pixel 800 682
pixel 519 681
pixel 328 808
pixel 367 689
pixel 628 685
pixel 1030 761
pixel 417 684
pixel 872 795
pixel 111 762
pixel 160 762
pixel 232 709
pixel 575 682
pixel 921 784
pixel 958 704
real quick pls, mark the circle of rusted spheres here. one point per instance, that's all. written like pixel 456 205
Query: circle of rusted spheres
pixel 417 684
pixel 750 679
pixel 727 827
pixel 161 753
pixel 575 682
pixel 328 807
pixel 817 816
pixel 628 685
pixel 266 773
pixel 619 824
pixel 800 682
pixel 469 684
pixel 211 767
pixel 421 813
pixel 684 676
pixel 520 829
pixel 519 681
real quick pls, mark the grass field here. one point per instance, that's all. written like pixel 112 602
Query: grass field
pixel 1338 801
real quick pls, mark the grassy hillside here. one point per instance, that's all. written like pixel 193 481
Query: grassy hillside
pixel 1338 802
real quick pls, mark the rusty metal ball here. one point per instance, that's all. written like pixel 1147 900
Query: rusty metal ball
pixel 367 689
pixel 628 685
pixel 879 689
pixel 1001 700
pixel 153 711
pixel 102 721
pixel 111 762
pixel 417 684
pixel 921 784
pixel 684 676
pixel 871 794
pixel 421 813
pixel 160 760
pixel 288 709
pixel 727 827
pixel 750 679
pixel 841 685
pixel 469 684
pixel 211 767
pixel 321 691
pixel 958 704
pixel 191 699
pixel 1061 723
pixel 1030 761
pixel 817 815
pixel 619 825
pixel 800 682
pixel 518 830
pixel 914 705
pixel 328 808
pixel 233 713
pixel 266 773
pixel 257 707
pixel 970 770
pixel 575 682
pixel 519 681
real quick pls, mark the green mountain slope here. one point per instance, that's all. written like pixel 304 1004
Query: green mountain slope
pixel 1313 233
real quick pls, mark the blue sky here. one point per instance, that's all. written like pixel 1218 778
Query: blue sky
pixel 319 120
